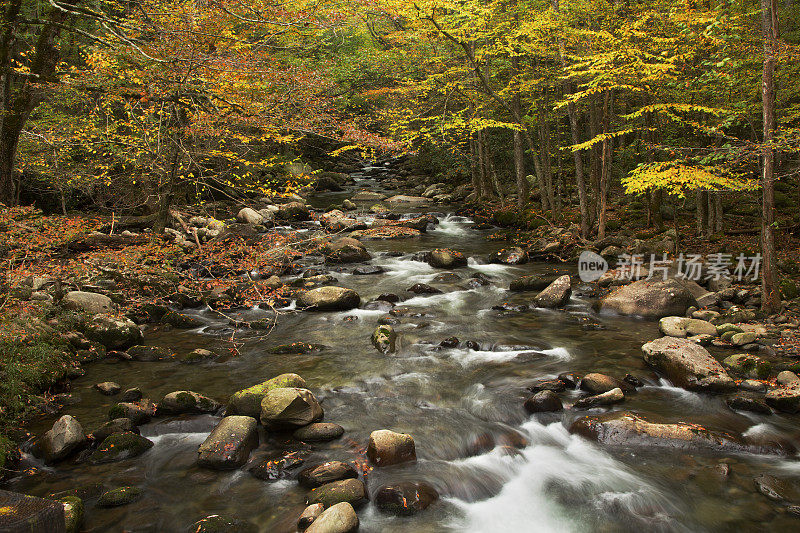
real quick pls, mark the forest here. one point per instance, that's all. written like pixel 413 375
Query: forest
pixel 380 265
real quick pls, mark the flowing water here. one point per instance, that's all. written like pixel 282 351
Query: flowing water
pixel 535 477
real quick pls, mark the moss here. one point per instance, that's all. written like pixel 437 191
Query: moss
pixel 120 446
pixel 789 289
pixel 186 400
pixel 120 496
pixel 73 513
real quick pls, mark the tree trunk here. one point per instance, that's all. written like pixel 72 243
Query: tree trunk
pixel 580 180
pixel 605 169
pixel 701 199
pixel 770 294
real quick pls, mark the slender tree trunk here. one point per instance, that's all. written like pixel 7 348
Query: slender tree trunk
pixel 701 199
pixel 580 180
pixel 770 294
pixel 606 168
pixel 523 189
pixel 596 156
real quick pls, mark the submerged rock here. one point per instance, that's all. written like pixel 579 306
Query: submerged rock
pixel 119 496
pixel 229 444
pixel 117 425
pixel 687 365
pixel 532 283
pixel 248 401
pixel 509 256
pixel 405 498
pixel 607 398
pixel 120 446
pixel 386 448
pixel 109 388
pixel 222 524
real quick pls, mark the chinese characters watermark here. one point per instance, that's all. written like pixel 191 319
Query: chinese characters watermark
pixel 694 267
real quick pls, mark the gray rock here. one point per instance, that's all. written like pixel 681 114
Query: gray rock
pixel 284 408
pixel 339 518
pixel 319 432
pixel 318 475
pixel 351 491
pixel 386 448
pixel 607 398
pixel 330 299
pixel 649 299
pixel 446 258
pixel 345 250
pixel 64 438
pixel 229 444
pixel 88 302
pixel 687 364
pixel 308 516
pixel 109 388
pixel 556 294
pixel 384 339
pixel 248 401
pixel 677 326
pixel 787 378
pixel 249 216
pixel 183 401
pixel 112 332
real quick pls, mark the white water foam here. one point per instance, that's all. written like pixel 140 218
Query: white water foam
pixel 467 357
pixel 453 225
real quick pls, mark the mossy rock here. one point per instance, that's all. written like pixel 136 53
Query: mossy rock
pixel 384 339
pixel 297 348
pixel 248 401
pixel 73 513
pixel 120 446
pixel 749 366
pixel 198 356
pixel 789 289
pixel 222 524
pixel 119 496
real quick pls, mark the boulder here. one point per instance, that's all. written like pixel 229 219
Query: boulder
pixel 89 302
pixel 109 388
pixel 367 196
pixel 183 401
pixel 687 365
pixel 308 516
pixel 386 448
pixel 150 353
pixel 543 401
pixel 748 366
pixel 63 439
pixel 316 476
pixel 277 466
pixel 120 446
pixel 402 199
pixel 229 444
pixel 509 256
pixel 625 429
pixel 745 403
pixel 339 518
pixel 787 378
pixel 22 513
pixel 290 407
pixel 73 513
pixel 293 211
pixel 139 412
pixel 785 399
pixel 119 496
pixel 345 250
pixel 181 320
pixel 678 326
pixel 446 258
pixel 248 401
pixel 351 491
pixel 597 383
pixel 607 398
pixel 117 425
pixel 384 339
pixel 423 288
pixel 198 355
pixel 556 294
pixel 649 299
pixel 319 432
pixel 532 283
pixel 134 394
pixel 330 299
pixel 112 332
pixel 405 498
pixel 249 216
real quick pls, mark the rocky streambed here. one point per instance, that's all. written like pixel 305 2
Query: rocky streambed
pixel 409 389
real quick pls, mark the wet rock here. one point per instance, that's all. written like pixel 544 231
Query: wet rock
pixel 776 489
pixel 753 386
pixel 292 407
pixel 308 516
pixel 555 385
pixel 319 432
pixel 597 383
pixel 389 297
pixel 749 366
pixel 744 403
pixel 134 394
pixel 198 356
pixel 787 378
pixel 384 339
pixel 569 379
pixel 509 256
pixel 607 398
pixel 229 444
pixel 249 216
pixel 378 305
pixel 423 288
pixel 447 277
pixel 368 196
pixel 543 401
pixel 687 364
pixel 784 399
pixel 676 326
pixel 345 250
pixel 150 353
pixel 112 332
pixel 119 496
pixel 109 388
pixel 386 448
pixel 451 342
pixel 297 348
pixel 446 258
pixel 368 270
pixel 89 302
pixel 741 339
pixel 63 439
pixel 183 401
pixel 73 513
pixel 405 498
pixel 532 283
pixel 118 425
pixel 316 476
pixel 556 294
pixel 181 320
pixel 330 299
pixel 347 490
pixel 625 429
pixel 293 211
pixel 339 518
pixel 280 467
pixel 222 524
pixel 120 446
pixel 649 299
pixel 139 412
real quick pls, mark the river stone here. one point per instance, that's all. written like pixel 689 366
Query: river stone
pixel 139 412
pixel 384 339
pixel 112 332
pixel 446 258
pixel 423 288
pixel 116 425
pixel 134 394
pixel 386 448
pixel 339 518
pixel 229 444
pixel 22 513
pixel 249 216
pixel 289 407
pixel 248 401
pixel 748 366
pixel 294 211
pixel 368 196
pixel 65 437
pixel 198 355
pixel 120 446
pixel 532 283
pixel 607 398
pixel 785 399
pixel 319 432
pixel 776 489
pixel 119 496
pixel 184 401
pixel 597 383
pixel 150 353
pixel 109 388
pixel 543 401
pixel 405 498
pixel 625 429
pixel 556 294
pixel 744 403
pixel 687 365
pixel 222 524
pixel 509 256
pixel 345 250
pixel 308 516
pixel 181 320
pixel 73 513
pixel 316 476
pixel 678 326
pixel 705 315
pixel 88 302
pixel 741 339
pixel 787 377
pixel 330 299
pixel 649 299
pixel 275 467
pixel 351 491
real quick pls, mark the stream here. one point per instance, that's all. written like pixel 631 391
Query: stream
pixel 535 476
